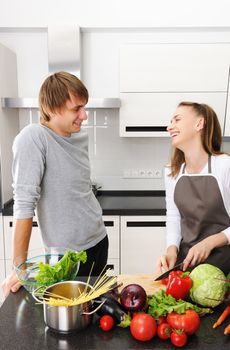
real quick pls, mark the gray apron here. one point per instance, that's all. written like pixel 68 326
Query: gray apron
pixel 203 213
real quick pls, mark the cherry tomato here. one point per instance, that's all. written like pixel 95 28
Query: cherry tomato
pixel 164 330
pixel 161 319
pixel 143 327
pixel 189 321
pixel 178 338
pixel 106 322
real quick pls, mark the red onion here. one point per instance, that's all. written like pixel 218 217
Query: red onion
pixel 133 297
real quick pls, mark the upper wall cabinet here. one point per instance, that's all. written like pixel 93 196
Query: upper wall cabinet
pixel 154 78
pixel 149 114
pixel 174 67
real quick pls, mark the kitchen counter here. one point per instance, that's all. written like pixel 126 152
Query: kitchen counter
pixel 22 327
pixel 123 203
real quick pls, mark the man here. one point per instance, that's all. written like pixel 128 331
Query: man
pixel 51 173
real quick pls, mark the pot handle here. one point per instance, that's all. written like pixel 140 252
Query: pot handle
pixel 35 297
pixel 95 310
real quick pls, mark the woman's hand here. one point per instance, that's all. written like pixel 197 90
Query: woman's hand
pixel 166 261
pixel 200 251
pixel 11 283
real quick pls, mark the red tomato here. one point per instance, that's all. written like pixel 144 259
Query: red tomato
pixel 164 330
pixel 189 321
pixel 143 327
pixel 178 338
pixel 161 319
pixel 106 322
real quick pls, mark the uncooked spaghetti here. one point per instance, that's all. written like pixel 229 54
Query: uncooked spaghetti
pixel 103 284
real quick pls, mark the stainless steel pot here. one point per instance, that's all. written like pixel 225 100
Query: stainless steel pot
pixel 67 319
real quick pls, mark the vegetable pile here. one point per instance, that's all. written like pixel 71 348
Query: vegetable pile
pixel 168 314
pixel 160 314
pixel 64 269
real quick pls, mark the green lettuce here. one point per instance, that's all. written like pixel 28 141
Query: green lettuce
pixel 161 304
pixel 64 269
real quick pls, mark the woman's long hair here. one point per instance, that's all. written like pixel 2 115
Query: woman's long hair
pixel 211 137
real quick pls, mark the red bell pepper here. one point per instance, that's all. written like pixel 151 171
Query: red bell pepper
pixel 179 284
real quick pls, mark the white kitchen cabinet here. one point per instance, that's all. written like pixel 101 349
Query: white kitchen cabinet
pixel 2 255
pixel 9 118
pixel 174 67
pixel 151 112
pixel 35 241
pixel 154 78
pixel 227 121
pixel 2 259
pixel 142 242
pixel 112 224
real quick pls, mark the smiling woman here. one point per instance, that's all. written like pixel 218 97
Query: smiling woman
pixel 197 191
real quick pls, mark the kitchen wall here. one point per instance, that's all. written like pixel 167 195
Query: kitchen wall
pixel 104 29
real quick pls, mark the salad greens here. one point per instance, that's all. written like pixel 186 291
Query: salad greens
pixel 64 269
pixel 161 304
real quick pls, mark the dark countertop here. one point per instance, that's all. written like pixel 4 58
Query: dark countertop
pixel 22 327
pixel 122 203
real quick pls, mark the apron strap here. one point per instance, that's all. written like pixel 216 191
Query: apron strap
pixel 209 165
pixel 183 170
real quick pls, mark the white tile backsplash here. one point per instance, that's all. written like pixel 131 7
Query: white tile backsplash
pixel 110 155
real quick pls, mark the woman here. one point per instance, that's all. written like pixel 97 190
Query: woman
pixel 197 191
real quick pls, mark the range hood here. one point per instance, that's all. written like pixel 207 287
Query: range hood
pixel 64 54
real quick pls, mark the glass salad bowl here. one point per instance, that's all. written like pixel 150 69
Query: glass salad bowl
pixel 46 266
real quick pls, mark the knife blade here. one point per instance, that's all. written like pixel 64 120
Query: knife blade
pixel 166 273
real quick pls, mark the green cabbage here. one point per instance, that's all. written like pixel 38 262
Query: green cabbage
pixel 209 286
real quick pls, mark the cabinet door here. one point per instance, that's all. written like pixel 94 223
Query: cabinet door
pixel 112 224
pixel 114 265
pixel 174 67
pixel 35 241
pixel 112 227
pixel 142 242
pixel 148 114
pixel 2 261
pixel 227 121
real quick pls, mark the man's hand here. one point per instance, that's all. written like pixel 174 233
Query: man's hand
pixel 10 284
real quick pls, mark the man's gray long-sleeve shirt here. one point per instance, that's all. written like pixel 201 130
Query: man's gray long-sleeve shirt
pixel 52 174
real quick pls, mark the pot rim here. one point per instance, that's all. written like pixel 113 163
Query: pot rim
pixel 53 285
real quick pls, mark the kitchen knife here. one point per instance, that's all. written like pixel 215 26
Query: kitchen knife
pixel 165 274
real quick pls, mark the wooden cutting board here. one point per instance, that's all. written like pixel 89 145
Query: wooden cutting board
pixel 146 281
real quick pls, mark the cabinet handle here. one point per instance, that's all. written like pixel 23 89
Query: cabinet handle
pixel 109 223
pixel 145 224
pixel 145 128
pixel 34 224
pixel 110 266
